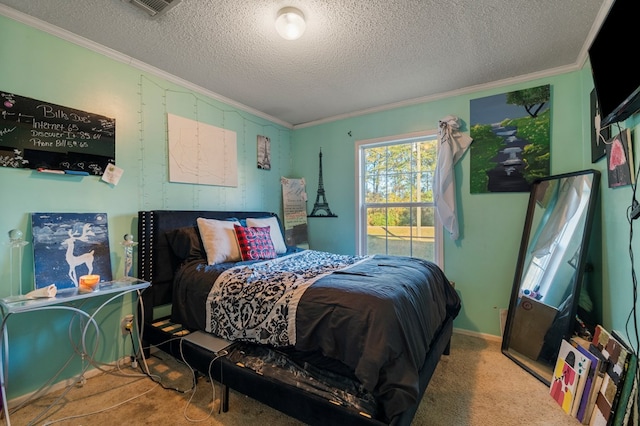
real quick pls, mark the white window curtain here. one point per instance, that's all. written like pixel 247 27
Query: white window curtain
pixel 451 145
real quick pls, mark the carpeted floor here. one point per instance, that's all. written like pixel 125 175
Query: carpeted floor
pixel 475 385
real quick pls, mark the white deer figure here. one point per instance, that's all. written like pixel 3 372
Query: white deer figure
pixel 85 258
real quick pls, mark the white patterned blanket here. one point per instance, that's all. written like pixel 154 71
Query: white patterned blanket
pixel 258 302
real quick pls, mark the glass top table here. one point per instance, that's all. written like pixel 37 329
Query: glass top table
pixel 64 299
pixel 15 304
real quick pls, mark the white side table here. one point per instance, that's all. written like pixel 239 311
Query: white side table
pixel 65 299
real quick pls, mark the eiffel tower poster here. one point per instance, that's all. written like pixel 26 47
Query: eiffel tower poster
pixel 321 204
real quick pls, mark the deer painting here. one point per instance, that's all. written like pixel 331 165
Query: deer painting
pixel 83 259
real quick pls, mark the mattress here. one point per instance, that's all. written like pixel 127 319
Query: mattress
pixel 372 321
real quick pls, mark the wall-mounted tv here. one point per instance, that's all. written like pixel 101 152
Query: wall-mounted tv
pixel 616 80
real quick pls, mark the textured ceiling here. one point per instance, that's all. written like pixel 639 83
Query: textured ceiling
pixel 355 55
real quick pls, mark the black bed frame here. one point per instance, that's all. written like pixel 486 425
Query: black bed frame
pixel 154 256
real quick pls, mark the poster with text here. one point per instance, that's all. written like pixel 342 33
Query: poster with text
pixel 294 197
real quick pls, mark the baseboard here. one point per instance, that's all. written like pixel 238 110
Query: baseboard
pixel 484 336
pixel 65 383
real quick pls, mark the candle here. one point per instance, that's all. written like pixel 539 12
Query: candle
pixel 89 282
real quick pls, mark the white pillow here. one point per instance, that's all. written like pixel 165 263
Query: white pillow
pixel 276 234
pixel 219 240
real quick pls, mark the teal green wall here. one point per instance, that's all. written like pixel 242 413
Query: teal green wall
pixel 481 262
pixel 47 68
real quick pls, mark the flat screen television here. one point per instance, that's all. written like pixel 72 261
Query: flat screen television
pixel 616 80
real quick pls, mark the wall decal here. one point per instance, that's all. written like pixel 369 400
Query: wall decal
pixel 321 206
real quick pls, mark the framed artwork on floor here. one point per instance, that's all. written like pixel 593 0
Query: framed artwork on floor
pixel 69 245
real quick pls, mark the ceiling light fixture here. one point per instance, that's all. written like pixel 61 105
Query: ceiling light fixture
pixel 290 23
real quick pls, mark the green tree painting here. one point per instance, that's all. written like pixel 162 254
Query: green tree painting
pixel 511 140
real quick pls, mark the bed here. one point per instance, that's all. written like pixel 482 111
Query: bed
pixel 322 337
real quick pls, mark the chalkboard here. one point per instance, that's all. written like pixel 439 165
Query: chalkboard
pixel 36 134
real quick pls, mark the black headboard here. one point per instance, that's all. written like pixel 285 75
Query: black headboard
pixel 155 258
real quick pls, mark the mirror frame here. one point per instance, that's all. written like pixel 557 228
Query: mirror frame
pixel 528 364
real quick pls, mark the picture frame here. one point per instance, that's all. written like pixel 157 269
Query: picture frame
pixel 69 245
pixel 511 135
pixel 620 168
pixel 264 152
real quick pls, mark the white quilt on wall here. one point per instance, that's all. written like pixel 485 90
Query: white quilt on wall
pixel 201 153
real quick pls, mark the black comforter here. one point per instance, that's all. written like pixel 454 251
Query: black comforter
pixel 378 317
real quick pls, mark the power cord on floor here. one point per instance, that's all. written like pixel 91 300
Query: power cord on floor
pixel 87 355
pixel 157 380
pixel 213 388
pixel 102 410
pixel 80 380
pixel 145 373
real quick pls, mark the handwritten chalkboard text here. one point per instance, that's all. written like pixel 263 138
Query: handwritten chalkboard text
pixel 41 135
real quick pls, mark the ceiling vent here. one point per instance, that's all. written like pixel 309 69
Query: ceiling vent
pixel 155 8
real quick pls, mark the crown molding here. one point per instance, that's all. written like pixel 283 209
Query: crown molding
pixel 128 60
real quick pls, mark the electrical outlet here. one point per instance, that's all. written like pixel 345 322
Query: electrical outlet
pixel 126 323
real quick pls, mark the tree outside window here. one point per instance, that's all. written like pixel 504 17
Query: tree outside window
pixel 396 210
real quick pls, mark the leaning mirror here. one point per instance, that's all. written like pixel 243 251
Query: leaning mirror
pixel 550 269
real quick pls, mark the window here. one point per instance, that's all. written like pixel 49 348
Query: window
pixel 396 214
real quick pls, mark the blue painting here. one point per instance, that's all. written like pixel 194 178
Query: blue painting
pixel 511 140
pixel 67 246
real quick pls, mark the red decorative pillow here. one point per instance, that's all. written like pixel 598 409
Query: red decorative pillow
pixel 255 242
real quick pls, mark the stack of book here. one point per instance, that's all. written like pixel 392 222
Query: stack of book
pixel 597 381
